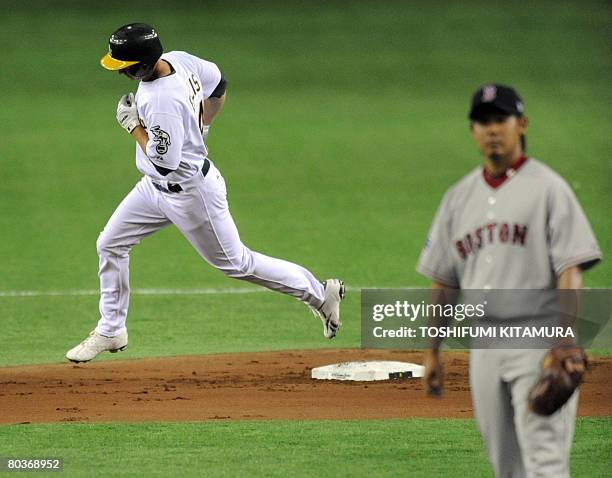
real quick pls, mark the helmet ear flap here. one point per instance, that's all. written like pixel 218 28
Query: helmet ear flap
pixel 140 70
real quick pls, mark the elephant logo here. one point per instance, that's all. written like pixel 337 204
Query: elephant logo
pixel 162 138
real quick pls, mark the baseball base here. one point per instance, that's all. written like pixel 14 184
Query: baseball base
pixel 368 371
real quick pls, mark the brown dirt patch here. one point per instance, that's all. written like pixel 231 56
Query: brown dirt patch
pixel 263 385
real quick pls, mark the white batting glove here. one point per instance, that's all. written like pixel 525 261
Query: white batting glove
pixel 127 114
pixel 205 129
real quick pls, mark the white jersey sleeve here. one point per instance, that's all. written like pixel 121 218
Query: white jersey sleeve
pixel 571 239
pixel 209 75
pixel 436 261
pixel 165 144
pixel 207 72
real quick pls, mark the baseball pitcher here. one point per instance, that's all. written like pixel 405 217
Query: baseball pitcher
pixel 512 224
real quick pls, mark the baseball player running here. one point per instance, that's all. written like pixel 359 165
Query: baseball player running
pixel 512 224
pixel 169 118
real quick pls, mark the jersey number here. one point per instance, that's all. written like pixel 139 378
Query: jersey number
pixel 201 118
pixel 195 88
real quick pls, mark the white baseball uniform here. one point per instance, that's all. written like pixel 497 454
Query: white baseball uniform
pixel 193 197
pixel 519 231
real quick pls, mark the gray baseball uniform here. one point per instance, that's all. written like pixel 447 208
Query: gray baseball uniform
pixel 519 231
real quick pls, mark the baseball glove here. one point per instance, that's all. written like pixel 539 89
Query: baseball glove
pixel 562 371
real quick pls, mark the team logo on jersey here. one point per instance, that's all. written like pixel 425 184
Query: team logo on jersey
pixel 162 138
pixel 489 93
pixel 491 233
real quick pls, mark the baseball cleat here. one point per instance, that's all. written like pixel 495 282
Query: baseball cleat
pixel 329 312
pixel 95 344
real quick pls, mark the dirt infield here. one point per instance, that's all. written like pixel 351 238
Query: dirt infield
pixel 265 385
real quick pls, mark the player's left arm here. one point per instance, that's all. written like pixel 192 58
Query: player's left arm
pixel 214 86
pixel 569 283
pixel 573 248
pixel 212 106
pixel 570 278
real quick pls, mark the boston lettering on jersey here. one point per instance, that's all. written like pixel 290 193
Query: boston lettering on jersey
pixel 490 233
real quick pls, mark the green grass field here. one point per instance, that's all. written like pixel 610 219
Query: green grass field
pixel 420 448
pixel 344 125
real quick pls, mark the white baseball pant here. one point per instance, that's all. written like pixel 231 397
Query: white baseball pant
pixel 201 213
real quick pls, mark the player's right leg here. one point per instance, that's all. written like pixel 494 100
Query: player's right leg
pixel 135 218
pixel 492 401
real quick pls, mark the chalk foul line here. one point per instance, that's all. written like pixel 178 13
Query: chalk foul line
pixel 141 291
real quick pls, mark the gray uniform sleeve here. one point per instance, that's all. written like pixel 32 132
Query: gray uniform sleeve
pixel 436 261
pixel 571 241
